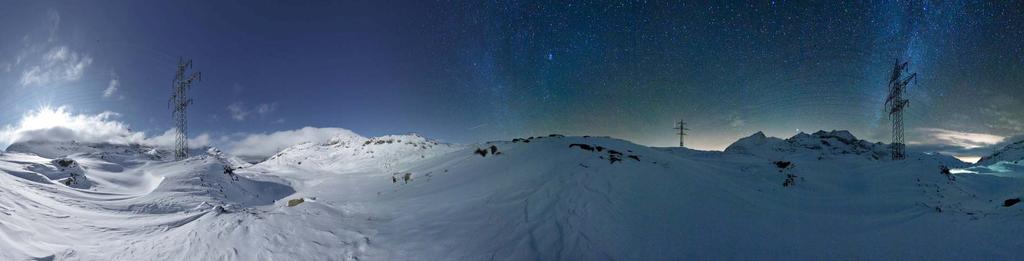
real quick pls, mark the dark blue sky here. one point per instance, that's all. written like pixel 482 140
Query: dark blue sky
pixel 474 70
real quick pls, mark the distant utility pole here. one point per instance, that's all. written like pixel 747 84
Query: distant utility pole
pixel 681 128
pixel 895 104
pixel 179 102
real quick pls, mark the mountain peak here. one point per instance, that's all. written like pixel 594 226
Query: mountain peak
pixel 822 143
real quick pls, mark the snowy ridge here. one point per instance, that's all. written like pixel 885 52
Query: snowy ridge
pixel 553 197
pixel 1011 153
pixel 351 151
pixel 228 159
pixel 825 145
pixel 54 149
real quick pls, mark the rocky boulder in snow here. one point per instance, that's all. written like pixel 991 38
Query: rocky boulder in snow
pixel 69 167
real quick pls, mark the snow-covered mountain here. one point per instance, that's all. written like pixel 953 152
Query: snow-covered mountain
pixel 54 149
pixel 821 144
pixel 353 151
pixel 1013 152
pixel 826 145
pixel 813 196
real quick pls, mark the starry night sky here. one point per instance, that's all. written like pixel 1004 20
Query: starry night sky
pixel 468 71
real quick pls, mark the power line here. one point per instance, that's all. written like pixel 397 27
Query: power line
pixel 180 102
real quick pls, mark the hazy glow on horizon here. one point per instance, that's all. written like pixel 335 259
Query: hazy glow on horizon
pixel 968 159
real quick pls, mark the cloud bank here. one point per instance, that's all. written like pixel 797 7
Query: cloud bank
pixel 964 145
pixel 60 124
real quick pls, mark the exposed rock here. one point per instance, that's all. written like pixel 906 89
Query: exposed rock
pixel 481 152
pixel 790 180
pixel 64 162
pixel 1011 202
pixel 582 146
pixel 783 164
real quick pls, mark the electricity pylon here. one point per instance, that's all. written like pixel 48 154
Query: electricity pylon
pixel 895 104
pixel 681 128
pixel 179 102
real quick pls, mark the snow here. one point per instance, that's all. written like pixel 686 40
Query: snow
pixel 552 197
pixel 1007 161
pixel 1013 152
pixel 821 144
pixel 826 145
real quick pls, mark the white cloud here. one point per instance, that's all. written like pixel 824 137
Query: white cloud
pixel 115 82
pixel 1002 119
pixel 60 64
pixel 737 122
pixel 59 124
pixel 54 19
pixel 166 140
pixel 965 140
pixel 265 108
pixel 261 146
pixel 240 112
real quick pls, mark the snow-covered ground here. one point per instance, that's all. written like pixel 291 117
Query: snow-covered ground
pixel 825 195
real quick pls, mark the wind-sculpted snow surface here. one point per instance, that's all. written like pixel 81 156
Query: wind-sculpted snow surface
pixel 552 197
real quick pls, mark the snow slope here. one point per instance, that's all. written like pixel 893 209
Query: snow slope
pixel 1013 152
pixel 554 197
pixel 350 151
pixel 1006 162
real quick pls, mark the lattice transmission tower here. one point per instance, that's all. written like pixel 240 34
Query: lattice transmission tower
pixel 895 104
pixel 179 103
pixel 681 131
